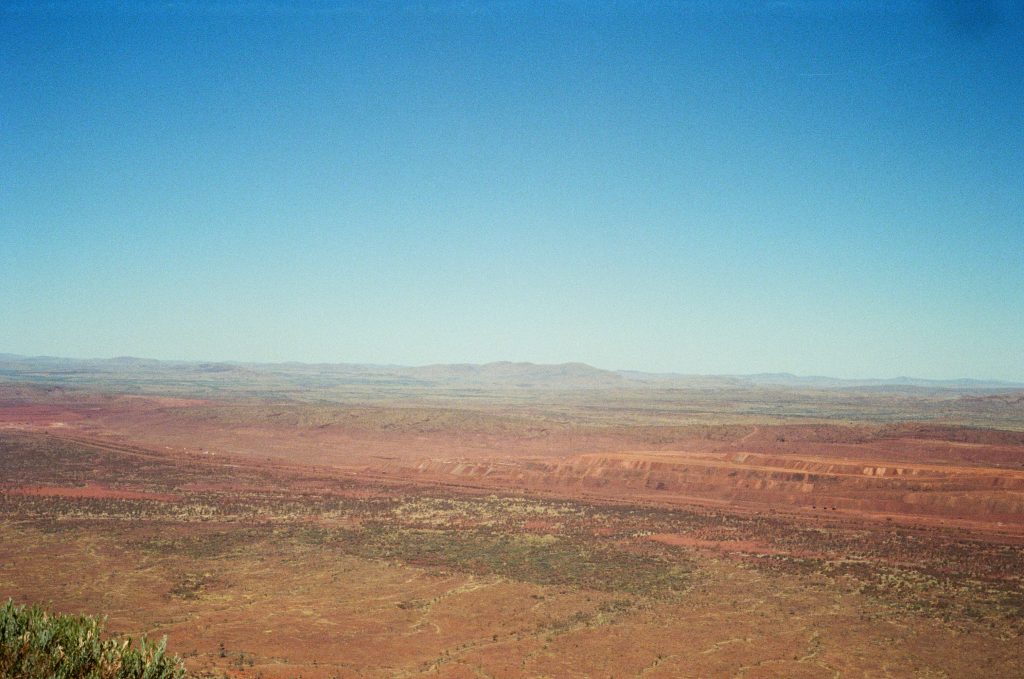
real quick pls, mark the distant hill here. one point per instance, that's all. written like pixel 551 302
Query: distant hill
pixel 788 379
pixel 143 374
pixel 522 374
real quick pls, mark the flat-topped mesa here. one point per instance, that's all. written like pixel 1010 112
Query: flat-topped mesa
pixel 754 480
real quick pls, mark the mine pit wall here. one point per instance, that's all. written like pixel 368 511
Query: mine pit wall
pixel 976 494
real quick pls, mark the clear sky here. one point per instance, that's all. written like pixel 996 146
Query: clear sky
pixel 708 187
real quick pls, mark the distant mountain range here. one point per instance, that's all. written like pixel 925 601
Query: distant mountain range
pixel 127 370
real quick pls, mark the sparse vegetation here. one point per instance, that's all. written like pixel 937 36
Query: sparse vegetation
pixel 530 557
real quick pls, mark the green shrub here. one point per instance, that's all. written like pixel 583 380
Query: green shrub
pixel 35 644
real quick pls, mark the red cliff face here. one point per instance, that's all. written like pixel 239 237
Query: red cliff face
pixel 870 485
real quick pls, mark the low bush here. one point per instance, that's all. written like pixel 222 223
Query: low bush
pixel 35 644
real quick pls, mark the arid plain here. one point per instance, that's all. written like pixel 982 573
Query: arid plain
pixel 515 520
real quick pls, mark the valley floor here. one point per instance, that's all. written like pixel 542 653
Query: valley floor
pixel 755 551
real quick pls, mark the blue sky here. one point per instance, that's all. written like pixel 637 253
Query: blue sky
pixel 709 187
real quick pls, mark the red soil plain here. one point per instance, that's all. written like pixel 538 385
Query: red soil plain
pixel 525 535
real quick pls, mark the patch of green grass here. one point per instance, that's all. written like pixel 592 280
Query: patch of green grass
pixel 998 605
pixel 526 558
pixel 201 546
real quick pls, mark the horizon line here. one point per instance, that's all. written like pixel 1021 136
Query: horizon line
pixel 897 379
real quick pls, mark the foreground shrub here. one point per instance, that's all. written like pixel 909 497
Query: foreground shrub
pixel 35 644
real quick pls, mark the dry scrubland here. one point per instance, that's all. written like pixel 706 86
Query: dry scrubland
pixel 605 532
